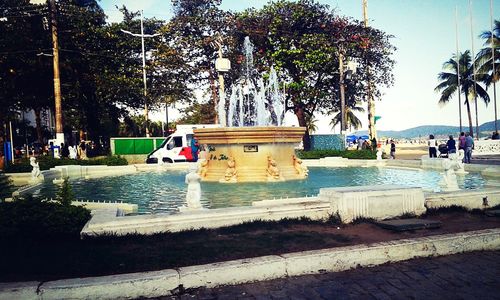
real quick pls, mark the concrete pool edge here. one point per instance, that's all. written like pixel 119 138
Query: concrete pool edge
pixel 413 201
pixel 171 281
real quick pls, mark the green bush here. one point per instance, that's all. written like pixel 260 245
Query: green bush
pixel 47 162
pixel 31 218
pixel 65 194
pixel 351 154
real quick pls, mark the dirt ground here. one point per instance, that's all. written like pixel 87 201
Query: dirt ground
pixel 47 260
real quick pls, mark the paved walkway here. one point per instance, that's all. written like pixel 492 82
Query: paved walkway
pixel 463 276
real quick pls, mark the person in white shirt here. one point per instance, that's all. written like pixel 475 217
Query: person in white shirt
pixel 432 146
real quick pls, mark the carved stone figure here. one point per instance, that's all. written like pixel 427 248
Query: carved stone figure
pixel 193 195
pixel 451 166
pixel 272 169
pixel 299 167
pixel 203 168
pixel 230 174
pixel 35 172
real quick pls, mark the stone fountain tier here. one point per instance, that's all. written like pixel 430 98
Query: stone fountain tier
pixel 250 154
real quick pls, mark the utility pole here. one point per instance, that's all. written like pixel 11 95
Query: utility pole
pixel 474 69
pixel 458 70
pixel 343 126
pixel 142 35
pixel 493 65
pixel 372 131
pixel 57 79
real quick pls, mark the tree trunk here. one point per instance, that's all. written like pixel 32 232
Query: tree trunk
pixel 38 121
pixel 82 136
pixel 469 115
pixel 306 140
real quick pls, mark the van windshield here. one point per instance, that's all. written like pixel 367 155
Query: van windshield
pixel 165 142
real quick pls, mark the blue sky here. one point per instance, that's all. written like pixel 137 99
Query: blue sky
pixel 424 33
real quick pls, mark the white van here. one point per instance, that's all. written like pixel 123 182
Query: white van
pixel 177 146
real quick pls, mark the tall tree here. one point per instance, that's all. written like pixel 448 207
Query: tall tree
pixel 352 120
pixel 488 60
pixel 449 83
pixel 192 33
pixel 303 41
pixel 25 72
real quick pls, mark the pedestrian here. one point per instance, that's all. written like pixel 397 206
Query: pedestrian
pixel 469 146
pixel 194 149
pixel 495 136
pixel 393 150
pixel 64 150
pixel 461 141
pixel 360 143
pixel 432 146
pixel 72 152
pixel 450 144
pixel 82 151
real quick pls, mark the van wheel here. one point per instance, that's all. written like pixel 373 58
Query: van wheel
pixel 167 160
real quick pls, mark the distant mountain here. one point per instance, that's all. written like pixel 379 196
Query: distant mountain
pixel 485 129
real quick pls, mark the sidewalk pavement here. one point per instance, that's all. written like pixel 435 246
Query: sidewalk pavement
pixel 473 275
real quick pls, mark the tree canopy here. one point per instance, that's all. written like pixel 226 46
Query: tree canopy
pixel 101 67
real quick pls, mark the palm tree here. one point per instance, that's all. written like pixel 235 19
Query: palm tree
pixel 449 83
pixel 311 123
pixel 352 120
pixel 489 58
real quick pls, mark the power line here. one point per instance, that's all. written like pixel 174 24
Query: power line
pixel 24 51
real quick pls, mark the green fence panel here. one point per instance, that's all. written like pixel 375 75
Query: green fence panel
pixel 158 143
pixel 123 147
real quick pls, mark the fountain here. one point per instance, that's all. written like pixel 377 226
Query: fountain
pixel 252 145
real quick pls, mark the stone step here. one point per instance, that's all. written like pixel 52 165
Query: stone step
pixel 409 224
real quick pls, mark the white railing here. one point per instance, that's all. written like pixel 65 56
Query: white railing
pixel 486 147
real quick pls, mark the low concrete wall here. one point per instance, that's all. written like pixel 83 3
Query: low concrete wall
pixel 105 221
pixel 113 206
pixel 471 199
pixel 376 201
pixel 167 282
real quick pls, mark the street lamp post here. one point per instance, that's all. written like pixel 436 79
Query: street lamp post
pixel 142 35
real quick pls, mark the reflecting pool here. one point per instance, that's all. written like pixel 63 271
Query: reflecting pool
pixel 164 192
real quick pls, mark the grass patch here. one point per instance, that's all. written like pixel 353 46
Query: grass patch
pixel 351 154
pixel 47 162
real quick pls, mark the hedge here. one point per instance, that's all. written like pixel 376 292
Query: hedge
pixel 351 154
pixel 47 162
pixel 32 218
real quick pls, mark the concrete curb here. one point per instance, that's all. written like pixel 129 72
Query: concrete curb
pixel 167 282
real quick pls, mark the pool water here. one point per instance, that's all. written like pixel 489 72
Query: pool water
pixel 164 192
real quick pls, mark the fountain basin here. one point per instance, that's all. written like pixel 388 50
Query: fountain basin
pixel 250 154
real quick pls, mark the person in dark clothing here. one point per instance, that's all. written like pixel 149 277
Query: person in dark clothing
pixel 393 150
pixel 194 149
pixel 451 145
pixel 64 150
pixel 432 146
pixel 495 136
